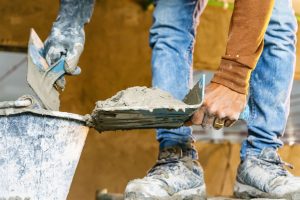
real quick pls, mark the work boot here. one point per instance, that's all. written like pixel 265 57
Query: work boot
pixel 175 176
pixel 264 176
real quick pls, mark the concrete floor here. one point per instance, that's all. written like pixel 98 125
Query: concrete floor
pixel 226 198
pixel 102 195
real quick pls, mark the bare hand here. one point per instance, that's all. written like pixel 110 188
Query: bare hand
pixel 222 107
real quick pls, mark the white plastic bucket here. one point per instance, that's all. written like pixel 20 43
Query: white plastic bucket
pixel 39 154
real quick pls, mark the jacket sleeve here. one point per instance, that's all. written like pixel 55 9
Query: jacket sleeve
pixel 245 43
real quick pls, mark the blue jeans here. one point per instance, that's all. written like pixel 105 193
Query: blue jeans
pixel 172 38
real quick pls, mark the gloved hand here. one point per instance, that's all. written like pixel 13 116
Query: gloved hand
pixel 67 35
pixel 222 107
pixel 68 43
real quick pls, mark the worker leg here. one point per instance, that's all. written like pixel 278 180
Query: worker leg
pixel 172 38
pixel 176 175
pixel 271 82
pixel 262 173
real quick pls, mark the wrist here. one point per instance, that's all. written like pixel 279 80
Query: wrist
pixel 233 75
pixel 72 34
pixel 76 11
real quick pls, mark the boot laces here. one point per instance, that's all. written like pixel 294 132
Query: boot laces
pixel 161 168
pixel 278 166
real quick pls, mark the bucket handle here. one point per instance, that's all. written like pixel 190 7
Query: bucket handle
pixel 20 103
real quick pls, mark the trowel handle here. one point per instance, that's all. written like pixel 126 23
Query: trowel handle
pixel 59 66
pixel 245 114
pixel 21 103
pixel 196 96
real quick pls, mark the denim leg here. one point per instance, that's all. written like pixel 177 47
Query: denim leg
pixel 172 37
pixel 271 82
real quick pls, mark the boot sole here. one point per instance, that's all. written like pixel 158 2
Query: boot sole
pixel 248 192
pixel 191 194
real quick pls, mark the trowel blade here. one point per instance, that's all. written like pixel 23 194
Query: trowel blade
pixel 39 76
pixel 126 118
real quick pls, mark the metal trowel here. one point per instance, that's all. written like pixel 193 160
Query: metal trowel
pixel 131 117
pixel 42 77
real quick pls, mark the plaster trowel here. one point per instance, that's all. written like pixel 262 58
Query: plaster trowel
pixel 116 113
pixel 141 114
pixel 42 77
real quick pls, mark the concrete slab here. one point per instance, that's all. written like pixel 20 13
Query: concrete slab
pixel 102 195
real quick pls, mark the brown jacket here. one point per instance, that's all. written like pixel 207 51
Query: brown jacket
pixel 245 43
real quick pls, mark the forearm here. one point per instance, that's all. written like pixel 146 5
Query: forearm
pixel 248 25
pixel 74 13
pixel 67 35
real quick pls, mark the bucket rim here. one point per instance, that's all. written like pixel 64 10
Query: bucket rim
pixel 43 112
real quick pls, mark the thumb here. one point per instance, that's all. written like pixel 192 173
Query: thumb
pixel 54 53
pixel 73 58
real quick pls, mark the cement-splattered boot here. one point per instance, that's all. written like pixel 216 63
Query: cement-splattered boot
pixel 264 176
pixel 175 176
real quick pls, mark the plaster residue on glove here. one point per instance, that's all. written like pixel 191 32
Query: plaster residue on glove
pixel 141 98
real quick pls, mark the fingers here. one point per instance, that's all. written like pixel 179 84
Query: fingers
pixel 72 59
pixel 208 120
pixel 60 83
pixel 215 115
pixel 76 72
pixel 222 107
pixel 229 123
pixel 218 123
pixel 203 117
pixel 198 116
pixel 54 54
pixel 188 123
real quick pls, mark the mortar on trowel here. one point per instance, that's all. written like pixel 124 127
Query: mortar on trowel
pixel 40 148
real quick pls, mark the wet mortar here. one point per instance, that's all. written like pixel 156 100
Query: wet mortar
pixel 141 97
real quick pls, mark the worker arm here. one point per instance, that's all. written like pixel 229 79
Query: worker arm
pixel 67 35
pixel 245 43
pixel 226 94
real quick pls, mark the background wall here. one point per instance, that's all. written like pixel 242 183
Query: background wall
pixel 117 56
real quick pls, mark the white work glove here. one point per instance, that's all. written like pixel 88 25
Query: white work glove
pixel 68 43
pixel 67 35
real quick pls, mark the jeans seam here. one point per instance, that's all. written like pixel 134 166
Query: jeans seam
pixel 190 47
pixel 189 51
pixel 252 107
